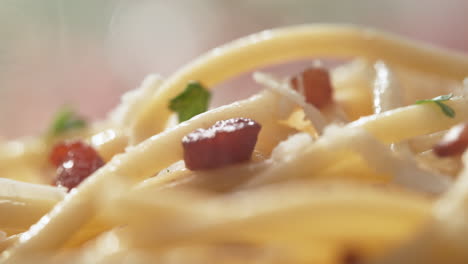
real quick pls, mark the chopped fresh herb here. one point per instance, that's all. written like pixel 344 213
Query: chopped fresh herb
pixel 447 110
pixel 66 120
pixel 192 101
pixel 439 98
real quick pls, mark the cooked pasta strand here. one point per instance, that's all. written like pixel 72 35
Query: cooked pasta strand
pixel 274 46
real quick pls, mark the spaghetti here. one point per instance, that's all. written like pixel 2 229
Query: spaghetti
pixel 356 176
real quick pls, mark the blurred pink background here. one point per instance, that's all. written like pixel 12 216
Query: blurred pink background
pixel 86 53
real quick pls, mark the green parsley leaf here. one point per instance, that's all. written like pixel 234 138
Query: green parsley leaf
pixel 192 101
pixel 66 120
pixel 447 110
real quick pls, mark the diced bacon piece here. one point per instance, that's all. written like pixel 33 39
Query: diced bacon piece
pixel 314 83
pixel 59 153
pixel 226 142
pixel 65 150
pixel 75 161
pixel 454 142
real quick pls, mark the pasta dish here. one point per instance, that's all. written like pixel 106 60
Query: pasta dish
pixel 362 162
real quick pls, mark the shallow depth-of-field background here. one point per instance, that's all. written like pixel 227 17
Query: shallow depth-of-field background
pixel 86 53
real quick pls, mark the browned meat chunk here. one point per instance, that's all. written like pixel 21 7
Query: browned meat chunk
pixel 454 142
pixel 315 85
pixel 226 142
pixel 75 161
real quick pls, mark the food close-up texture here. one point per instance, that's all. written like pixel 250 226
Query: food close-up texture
pixel 129 137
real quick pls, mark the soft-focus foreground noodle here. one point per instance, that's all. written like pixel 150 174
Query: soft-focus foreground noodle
pixel 353 179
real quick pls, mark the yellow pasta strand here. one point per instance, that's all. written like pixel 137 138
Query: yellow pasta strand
pixel 138 163
pixel 280 45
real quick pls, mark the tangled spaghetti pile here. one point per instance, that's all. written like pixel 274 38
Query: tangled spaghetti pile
pixel 356 164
